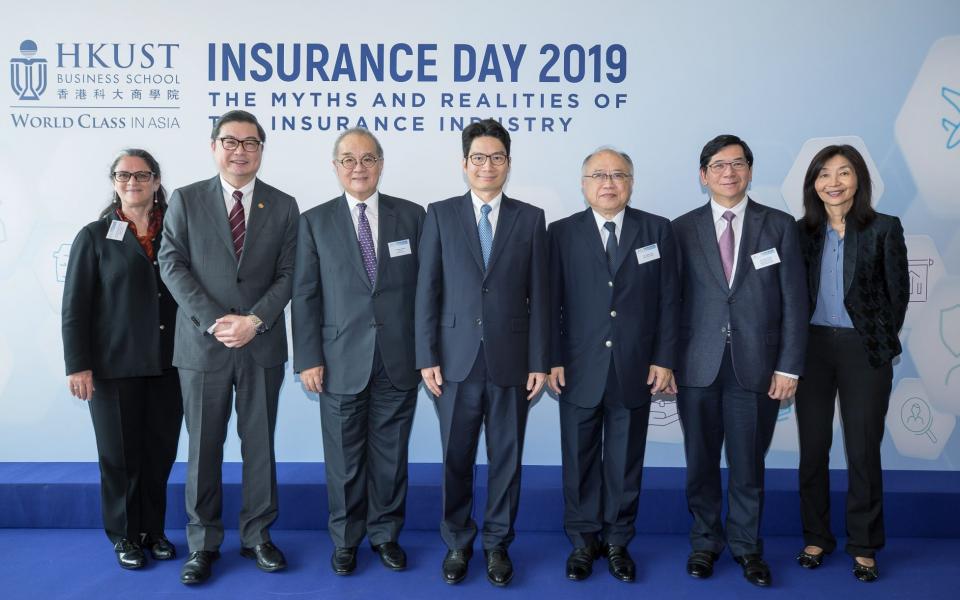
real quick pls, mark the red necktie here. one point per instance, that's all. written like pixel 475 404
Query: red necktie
pixel 237 227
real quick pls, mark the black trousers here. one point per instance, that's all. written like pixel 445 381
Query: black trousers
pixel 724 413
pixel 502 411
pixel 603 449
pixel 136 422
pixel 837 367
pixel 365 444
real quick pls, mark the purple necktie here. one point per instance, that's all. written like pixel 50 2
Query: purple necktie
pixel 365 237
pixel 726 245
pixel 237 227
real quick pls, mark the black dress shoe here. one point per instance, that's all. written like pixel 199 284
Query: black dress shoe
pixel 197 569
pixel 620 564
pixel 700 563
pixel 344 560
pixel 755 570
pixel 159 546
pixel 455 565
pixel 499 566
pixel 129 554
pixel 580 563
pixel 864 573
pixel 391 555
pixel 810 561
pixel 269 558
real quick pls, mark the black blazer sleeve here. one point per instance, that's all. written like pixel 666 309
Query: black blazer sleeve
pixel 79 298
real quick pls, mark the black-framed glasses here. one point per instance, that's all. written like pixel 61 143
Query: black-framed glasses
pixel 350 162
pixel 138 176
pixel 497 159
pixel 231 143
pixel 721 165
pixel 617 177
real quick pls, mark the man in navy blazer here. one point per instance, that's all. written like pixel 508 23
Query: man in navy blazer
pixel 614 294
pixel 481 342
pixel 353 289
pixel 742 343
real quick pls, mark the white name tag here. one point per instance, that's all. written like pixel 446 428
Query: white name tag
pixel 399 248
pixel 647 253
pixel 117 229
pixel 765 259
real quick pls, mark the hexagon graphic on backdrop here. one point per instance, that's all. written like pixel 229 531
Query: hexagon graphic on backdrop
pixel 926 270
pixel 664 421
pixel 928 128
pixel 792 188
pixel 918 429
pixel 934 344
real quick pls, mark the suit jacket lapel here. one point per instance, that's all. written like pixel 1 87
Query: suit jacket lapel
pixel 343 224
pixel 259 214
pixel 387 232
pixel 469 223
pixel 213 204
pixel 130 240
pixel 708 242
pixel 851 246
pixel 590 236
pixel 631 227
pixel 505 222
pixel 815 257
pixel 750 236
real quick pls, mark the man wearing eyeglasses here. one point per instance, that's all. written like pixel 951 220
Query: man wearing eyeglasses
pixel 742 343
pixel 354 286
pixel 227 258
pixel 614 313
pixel 481 343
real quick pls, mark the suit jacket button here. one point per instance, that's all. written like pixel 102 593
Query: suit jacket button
pixel 608 343
pixel 479 322
pixel 486 290
pixel 161 327
pixel 730 300
pixel 609 284
pixel 613 313
pixel 239 280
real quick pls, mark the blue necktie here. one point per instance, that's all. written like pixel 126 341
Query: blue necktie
pixel 365 237
pixel 611 227
pixel 485 230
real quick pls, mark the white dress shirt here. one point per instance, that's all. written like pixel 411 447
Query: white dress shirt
pixel 494 210
pixel 720 225
pixel 246 201
pixel 601 221
pixel 373 216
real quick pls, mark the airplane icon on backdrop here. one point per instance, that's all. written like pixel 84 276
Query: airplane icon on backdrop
pixel 953 98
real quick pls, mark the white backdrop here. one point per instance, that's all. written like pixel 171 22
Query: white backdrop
pixel 787 77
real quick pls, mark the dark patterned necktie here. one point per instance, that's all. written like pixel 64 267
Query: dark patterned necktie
pixel 611 245
pixel 365 238
pixel 726 242
pixel 238 230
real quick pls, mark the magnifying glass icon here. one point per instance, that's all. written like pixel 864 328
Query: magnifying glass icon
pixel 917 418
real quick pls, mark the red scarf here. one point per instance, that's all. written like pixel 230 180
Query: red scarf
pixel 146 240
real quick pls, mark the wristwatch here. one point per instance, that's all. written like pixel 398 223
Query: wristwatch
pixel 260 326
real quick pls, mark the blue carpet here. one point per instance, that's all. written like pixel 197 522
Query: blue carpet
pixel 76 563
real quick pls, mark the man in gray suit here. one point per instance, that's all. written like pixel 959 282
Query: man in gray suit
pixel 743 335
pixel 353 293
pixel 227 258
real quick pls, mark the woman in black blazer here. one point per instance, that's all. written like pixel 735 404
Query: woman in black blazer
pixel 859 288
pixel 118 326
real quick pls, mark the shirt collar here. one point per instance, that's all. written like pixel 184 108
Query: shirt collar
pixel 617 218
pixel 373 202
pixel 247 189
pixel 718 209
pixel 494 204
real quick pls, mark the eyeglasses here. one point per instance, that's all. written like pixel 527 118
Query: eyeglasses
pixel 350 163
pixel 721 166
pixel 617 177
pixel 139 176
pixel 497 159
pixel 230 144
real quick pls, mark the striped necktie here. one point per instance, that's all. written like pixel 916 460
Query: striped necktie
pixel 238 229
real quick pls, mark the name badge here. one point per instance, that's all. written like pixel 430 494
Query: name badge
pixel 117 229
pixel 399 248
pixel 647 253
pixel 766 258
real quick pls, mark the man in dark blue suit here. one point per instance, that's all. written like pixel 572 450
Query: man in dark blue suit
pixel 481 342
pixel 615 295
pixel 742 344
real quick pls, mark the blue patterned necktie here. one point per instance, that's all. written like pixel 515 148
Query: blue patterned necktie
pixel 611 227
pixel 365 237
pixel 485 230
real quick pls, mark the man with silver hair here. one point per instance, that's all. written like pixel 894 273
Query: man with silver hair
pixel 353 293
pixel 614 294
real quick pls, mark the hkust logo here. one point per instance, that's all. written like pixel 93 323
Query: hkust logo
pixel 28 73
